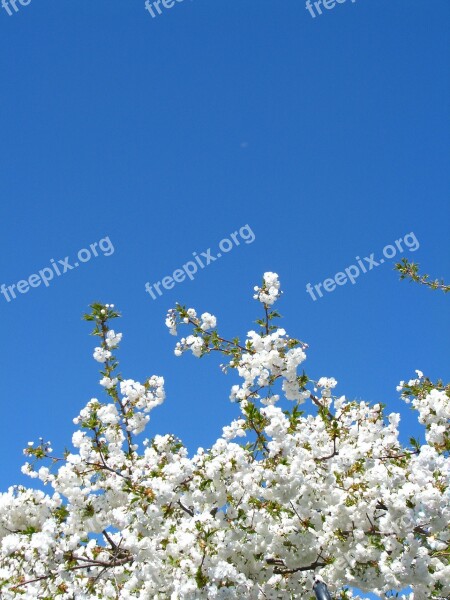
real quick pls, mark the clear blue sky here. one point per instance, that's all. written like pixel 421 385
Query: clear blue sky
pixel 329 137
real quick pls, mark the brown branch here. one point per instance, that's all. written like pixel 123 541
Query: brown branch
pixel 116 562
pixel 334 453
pixel 279 564
pixel 185 508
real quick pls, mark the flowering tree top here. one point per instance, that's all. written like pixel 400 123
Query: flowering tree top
pixel 284 499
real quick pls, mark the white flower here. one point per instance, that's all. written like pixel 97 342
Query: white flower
pixel 270 291
pixel 171 321
pixel 196 344
pixel 101 355
pixel 327 382
pixel 113 338
pixel 208 321
pixel 108 383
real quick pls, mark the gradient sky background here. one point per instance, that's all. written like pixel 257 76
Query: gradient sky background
pixel 329 137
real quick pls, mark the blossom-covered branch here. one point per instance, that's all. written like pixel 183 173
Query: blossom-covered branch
pixel 303 486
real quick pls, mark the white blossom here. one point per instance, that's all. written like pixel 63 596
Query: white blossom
pixel 101 355
pixel 113 338
pixel 208 321
pixel 280 499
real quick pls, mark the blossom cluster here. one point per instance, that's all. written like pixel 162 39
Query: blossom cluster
pixel 285 496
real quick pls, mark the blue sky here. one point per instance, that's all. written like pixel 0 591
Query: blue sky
pixel 328 136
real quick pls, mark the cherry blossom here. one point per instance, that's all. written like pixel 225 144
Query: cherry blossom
pixel 301 488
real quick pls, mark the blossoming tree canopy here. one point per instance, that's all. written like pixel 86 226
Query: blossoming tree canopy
pixel 320 491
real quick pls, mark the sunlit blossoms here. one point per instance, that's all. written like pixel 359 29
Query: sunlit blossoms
pixel 208 321
pixel 270 291
pixel 301 485
pixel 101 355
